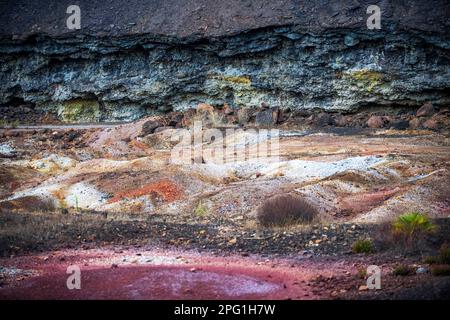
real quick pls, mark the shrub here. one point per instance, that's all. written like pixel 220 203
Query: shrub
pixel 412 226
pixel 363 246
pixel 285 209
pixel 362 273
pixel 15 124
pixel 200 210
pixel 403 270
pixel 441 270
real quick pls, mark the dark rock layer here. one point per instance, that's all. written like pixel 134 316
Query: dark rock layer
pixel 154 56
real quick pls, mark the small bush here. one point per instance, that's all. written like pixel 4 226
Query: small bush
pixel 200 210
pixel 15 124
pixel 412 226
pixel 363 246
pixel 285 209
pixel 403 270
pixel 5 124
pixel 362 273
pixel 440 270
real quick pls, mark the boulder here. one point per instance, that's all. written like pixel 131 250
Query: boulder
pixel 324 119
pixel 375 122
pixel 243 115
pixel 149 127
pixel 227 110
pixel 187 117
pixel 267 117
pixel 204 108
pixel 426 110
pixel 415 123
pixel 341 121
pixel 431 124
pixel 400 124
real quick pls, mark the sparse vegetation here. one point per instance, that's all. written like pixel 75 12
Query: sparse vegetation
pixel 362 273
pixel 200 210
pixel 363 246
pixel 286 209
pixel 441 270
pixel 412 227
pixel 403 270
pixel 14 124
pixel 9 124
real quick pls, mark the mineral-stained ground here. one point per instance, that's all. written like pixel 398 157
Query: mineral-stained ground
pixel 356 122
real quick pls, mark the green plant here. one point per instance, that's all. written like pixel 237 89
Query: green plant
pixel 362 273
pixel 200 210
pixel 77 208
pixel 5 124
pixel 14 124
pixel 285 209
pixel 403 270
pixel 411 226
pixel 363 246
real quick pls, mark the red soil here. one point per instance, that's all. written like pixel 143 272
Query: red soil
pixel 202 278
pixel 166 189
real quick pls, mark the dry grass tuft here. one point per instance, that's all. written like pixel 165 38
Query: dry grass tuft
pixel 286 209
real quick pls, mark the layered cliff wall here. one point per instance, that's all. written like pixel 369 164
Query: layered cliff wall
pixel 145 57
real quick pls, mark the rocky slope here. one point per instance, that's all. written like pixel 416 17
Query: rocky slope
pixel 125 63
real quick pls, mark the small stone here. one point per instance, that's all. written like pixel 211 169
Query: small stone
pixel 227 109
pixel 421 270
pixel 267 117
pixel 149 127
pixel 265 105
pixel 414 123
pixel 324 119
pixel 341 121
pixel 243 115
pixel 430 124
pixel 426 110
pixel 362 288
pixel 203 108
pixel 350 40
pixel 375 122
pixel 114 266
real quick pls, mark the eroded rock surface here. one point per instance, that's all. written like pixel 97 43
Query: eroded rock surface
pixel 125 63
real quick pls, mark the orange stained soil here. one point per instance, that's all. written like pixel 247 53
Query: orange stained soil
pixel 166 189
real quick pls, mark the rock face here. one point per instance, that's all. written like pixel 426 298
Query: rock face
pixel 156 56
